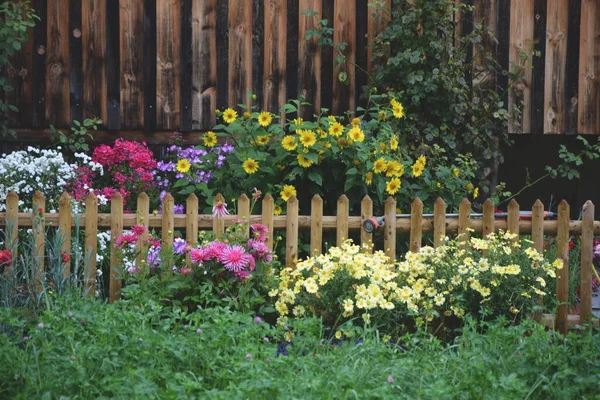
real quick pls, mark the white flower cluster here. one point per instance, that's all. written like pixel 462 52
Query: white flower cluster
pixel 27 171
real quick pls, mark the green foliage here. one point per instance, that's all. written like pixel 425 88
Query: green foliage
pixel 77 140
pixel 17 17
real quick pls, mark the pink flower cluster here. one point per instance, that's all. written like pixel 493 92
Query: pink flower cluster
pixel 239 259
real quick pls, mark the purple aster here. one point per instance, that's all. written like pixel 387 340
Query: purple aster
pixel 179 245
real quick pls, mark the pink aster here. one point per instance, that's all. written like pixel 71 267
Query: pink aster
pixel 260 250
pixel 220 209
pixel 259 231
pixel 138 230
pixel 234 258
pixel 201 254
pixel 215 249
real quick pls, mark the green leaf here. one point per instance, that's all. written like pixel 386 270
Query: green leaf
pixel 180 183
pixel 350 180
pixel 352 171
pixel 316 177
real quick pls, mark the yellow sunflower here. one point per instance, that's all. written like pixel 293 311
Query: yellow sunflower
pixel 369 178
pixel 397 108
pixel 209 139
pixel 322 133
pixel 250 166
pixel 183 165
pixel 356 134
pixel 394 168
pixel 265 118
pixel 355 121
pixel 264 139
pixel 304 162
pixel 336 129
pixel 393 186
pixel 287 192
pixel 380 166
pixel 229 115
pixel 394 143
pixel 456 171
pixel 298 121
pixel 277 210
pixel 289 143
pixel 307 138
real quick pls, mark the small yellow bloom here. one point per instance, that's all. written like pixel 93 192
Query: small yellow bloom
pixel 262 140
pixel 397 108
pixel 476 193
pixel 394 143
pixel 298 121
pixel 369 178
pixel 322 133
pixel 229 115
pixel 307 137
pixel 456 171
pixel 469 186
pixel 336 129
pixel 265 118
pixel 380 166
pixel 355 121
pixel 209 139
pixel 303 161
pixel 338 335
pixel 247 115
pixel 183 165
pixel 250 166
pixel 287 192
pixel 356 134
pixel 277 210
pixel 393 186
pixel 289 143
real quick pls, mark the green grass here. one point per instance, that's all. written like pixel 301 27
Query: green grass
pixel 87 349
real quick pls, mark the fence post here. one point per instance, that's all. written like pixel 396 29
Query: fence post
pixel 191 224
pixel 291 232
pixel 316 225
pixel 464 220
pixel 167 228
pixel 513 218
pixel 366 212
pixel 389 237
pixel 91 244
pixel 12 221
pixel 488 218
pixel 342 220
pixel 65 220
pixel 143 218
pixel 116 230
pixel 537 226
pixel 439 221
pixel 38 215
pixel 218 223
pixel 587 256
pixel 416 230
pixel 244 212
pixel 267 219
pixel 562 275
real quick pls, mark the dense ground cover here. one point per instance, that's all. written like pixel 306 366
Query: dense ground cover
pixel 138 349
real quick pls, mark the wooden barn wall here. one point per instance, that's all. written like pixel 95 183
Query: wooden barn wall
pixel 149 67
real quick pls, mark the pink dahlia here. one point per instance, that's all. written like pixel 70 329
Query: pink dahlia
pixel 260 250
pixel 234 258
pixel 259 231
pixel 200 255
pixel 215 249
pixel 138 230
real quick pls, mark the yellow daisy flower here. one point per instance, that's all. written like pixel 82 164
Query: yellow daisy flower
pixel 263 139
pixel 298 121
pixel 395 169
pixel 209 139
pixel 397 108
pixel 369 178
pixel 393 186
pixel 475 192
pixel 355 121
pixel 394 143
pixel 250 166
pixel 229 115
pixel 277 210
pixel 336 129
pixel 289 143
pixel 265 118
pixel 456 171
pixel 307 138
pixel 380 166
pixel 356 134
pixel 303 161
pixel 287 192
pixel 322 133
pixel 183 165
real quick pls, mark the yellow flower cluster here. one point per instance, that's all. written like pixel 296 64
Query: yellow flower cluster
pixel 419 166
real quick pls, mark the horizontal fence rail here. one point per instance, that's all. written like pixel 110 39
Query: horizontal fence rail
pixel 415 226
pixel 160 65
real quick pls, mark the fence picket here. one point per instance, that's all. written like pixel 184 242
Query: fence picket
pixel 389 236
pixel 464 219
pixel 537 225
pixel 416 230
pixel 562 275
pixel 191 227
pixel 316 225
pixel 65 220
pixel 168 226
pixel 268 206
pixel 143 218
pixel 488 218
pixel 12 221
pixel 91 244
pixel 116 230
pixel 291 232
pixel 244 212
pixel 587 257
pixel 37 215
pixel 513 218
pixel 342 220
pixel 439 221
pixel 218 223
pixel 366 212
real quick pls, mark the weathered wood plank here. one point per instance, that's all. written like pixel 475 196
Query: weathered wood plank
pixel 218 224
pixel 37 216
pixel 291 232
pixel 75 60
pixel 488 218
pixel 309 60
pixel 484 13
pixel 275 34
pixel 204 56
pixel 240 51
pixel 562 275
pixel 589 69
pixel 538 76
pixel 223 33
pixel 116 230
pixel 389 235
pixel 20 76
pixel 142 218
pixel 258 51
pixel 65 220
pixel 267 219
pixel 464 216
pixel 168 227
pixel 186 70
pixel 587 262
pixel 11 221
pixel 342 220
pixel 439 221
pixel 513 218
pixel 113 77
pixel 316 225
pixel 57 64
pixel 572 68
pixel 131 37
pixel 379 16
pixel 344 26
pixel 416 228
pixel 556 63
pixel 39 64
pixel 149 68
pixel 521 41
pixel 95 89
pixel 327 60
pixel 537 226
pixel 191 227
pixel 168 69
pixel 244 212
pixel 366 212
pixel 91 244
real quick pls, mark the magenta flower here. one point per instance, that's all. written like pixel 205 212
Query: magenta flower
pixel 234 258
pixel 259 231
pixel 138 230
pixel 185 271
pixel 220 209
pixel 256 194
pixel 215 250
pixel 200 255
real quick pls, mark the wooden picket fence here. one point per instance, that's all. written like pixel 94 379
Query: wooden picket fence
pixel 292 222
